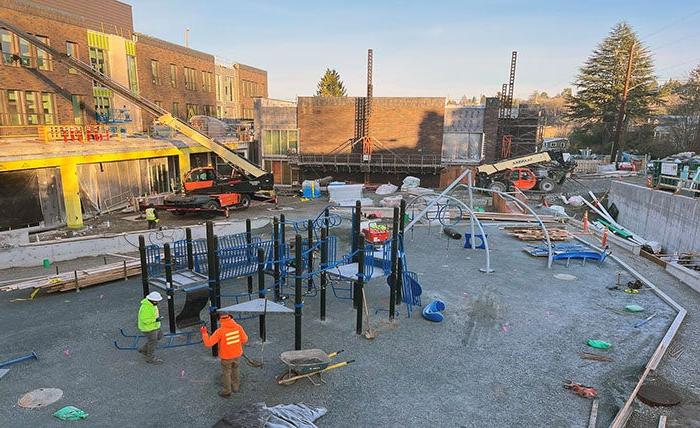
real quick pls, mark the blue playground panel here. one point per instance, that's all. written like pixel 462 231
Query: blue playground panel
pixel 468 242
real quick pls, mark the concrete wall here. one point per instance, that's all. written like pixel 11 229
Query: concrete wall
pixel 408 125
pixel 672 220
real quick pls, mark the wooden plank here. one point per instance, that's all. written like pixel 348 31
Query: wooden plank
pixel 594 414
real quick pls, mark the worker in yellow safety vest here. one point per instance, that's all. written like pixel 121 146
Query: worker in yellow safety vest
pixel 152 217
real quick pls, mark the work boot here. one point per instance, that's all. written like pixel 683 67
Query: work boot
pixel 154 360
pixel 224 394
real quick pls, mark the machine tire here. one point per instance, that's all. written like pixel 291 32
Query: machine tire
pixel 546 185
pixel 211 205
pixel 498 186
pixel 245 201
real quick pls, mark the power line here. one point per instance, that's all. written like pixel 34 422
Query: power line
pixel 669 25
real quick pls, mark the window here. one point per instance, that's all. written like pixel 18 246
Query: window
pixel 31 108
pixel 155 72
pixel 173 75
pixel 26 108
pixel 14 115
pixel 190 79
pixel 25 53
pixel 280 142
pixel 132 74
pixel 176 109
pixel 78 109
pixel 192 110
pixel 8 47
pixel 102 106
pixel 97 60
pixel 43 59
pixel 72 51
pixel 206 81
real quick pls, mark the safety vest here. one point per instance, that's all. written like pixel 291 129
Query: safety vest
pixel 230 337
pixel 151 214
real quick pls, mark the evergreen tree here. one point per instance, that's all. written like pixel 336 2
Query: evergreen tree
pixel 601 80
pixel 330 85
pixel 686 133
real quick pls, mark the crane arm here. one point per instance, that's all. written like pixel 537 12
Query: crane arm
pixel 162 115
pixel 521 161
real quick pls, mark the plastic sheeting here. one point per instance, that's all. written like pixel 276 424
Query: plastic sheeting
pixel 281 416
pixel 20 205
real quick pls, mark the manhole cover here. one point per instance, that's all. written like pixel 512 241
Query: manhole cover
pixel 655 395
pixel 564 276
pixel 40 397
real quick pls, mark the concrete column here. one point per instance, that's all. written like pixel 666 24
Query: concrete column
pixel 71 195
pixel 184 163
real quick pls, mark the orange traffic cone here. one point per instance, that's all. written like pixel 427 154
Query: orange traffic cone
pixel 585 222
pixel 604 241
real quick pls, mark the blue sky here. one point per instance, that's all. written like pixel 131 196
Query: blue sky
pixel 422 48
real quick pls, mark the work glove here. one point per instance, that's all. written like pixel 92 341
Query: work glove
pixel 159 319
pixel 203 329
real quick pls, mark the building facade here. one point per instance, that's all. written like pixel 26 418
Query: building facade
pixel 72 147
pixel 250 83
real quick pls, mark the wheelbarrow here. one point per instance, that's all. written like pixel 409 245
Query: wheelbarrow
pixel 308 363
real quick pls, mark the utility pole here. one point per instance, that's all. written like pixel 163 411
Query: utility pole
pixel 623 105
pixel 187 37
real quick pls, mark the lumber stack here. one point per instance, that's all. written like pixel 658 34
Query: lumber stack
pixel 532 234
pixel 73 280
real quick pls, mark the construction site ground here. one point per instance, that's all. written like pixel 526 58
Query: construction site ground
pixel 509 341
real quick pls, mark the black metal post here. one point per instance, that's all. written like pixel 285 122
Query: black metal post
pixel 310 237
pixel 276 256
pixel 261 290
pixel 359 287
pixel 190 252
pixel 324 275
pixel 169 282
pixel 356 244
pixel 211 273
pixel 327 221
pixel 394 256
pixel 249 241
pixel 217 275
pixel 283 245
pixel 399 269
pixel 298 269
pixel 144 266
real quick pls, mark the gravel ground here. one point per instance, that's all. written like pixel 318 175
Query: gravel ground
pixel 509 341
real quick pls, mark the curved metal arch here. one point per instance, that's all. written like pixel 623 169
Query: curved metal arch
pixel 527 207
pixel 463 206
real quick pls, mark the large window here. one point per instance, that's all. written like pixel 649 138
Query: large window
pixel 43 59
pixel 281 142
pixel 155 72
pixel 98 61
pixel 173 75
pixel 26 107
pixel 78 106
pixel 190 79
pixel 102 105
pixel 176 109
pixel 133 75
pixel 25 53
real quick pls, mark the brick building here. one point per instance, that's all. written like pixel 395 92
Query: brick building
pixel 53 167
pixel 179 79
pixel 250 82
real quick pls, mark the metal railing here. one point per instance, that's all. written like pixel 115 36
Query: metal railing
pixel 379 160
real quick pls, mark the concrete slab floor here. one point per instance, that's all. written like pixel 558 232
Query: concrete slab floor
pixel 509 341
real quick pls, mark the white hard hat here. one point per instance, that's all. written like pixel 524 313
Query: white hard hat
pixel 154 296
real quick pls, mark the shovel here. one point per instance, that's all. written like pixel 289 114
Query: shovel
pixel 369 334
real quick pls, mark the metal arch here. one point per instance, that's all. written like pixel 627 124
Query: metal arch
pixel 527 207
pixel 463 206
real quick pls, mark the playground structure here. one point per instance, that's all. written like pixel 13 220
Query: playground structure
pixel 208 270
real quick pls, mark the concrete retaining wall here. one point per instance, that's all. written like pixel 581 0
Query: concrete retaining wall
pixel 33 254
pixel 672 220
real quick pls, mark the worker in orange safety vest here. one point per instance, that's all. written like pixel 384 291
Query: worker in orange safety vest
pixel 230 338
